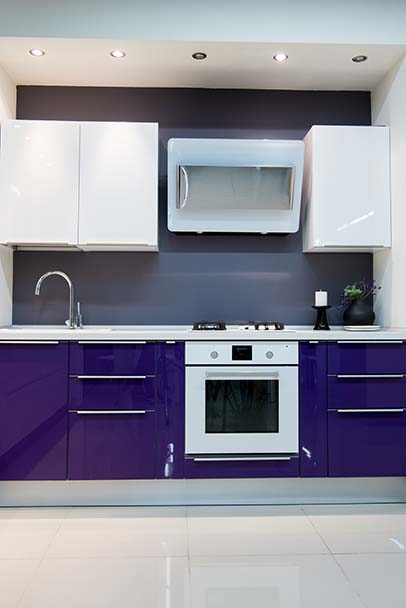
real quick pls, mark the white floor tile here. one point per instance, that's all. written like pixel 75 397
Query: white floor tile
pixel 110 583
pixel 361 528
pixel 127 532
pixel 15 575
pixel 26 534
pixel 380 580
pixel 302 581
pixel 251 531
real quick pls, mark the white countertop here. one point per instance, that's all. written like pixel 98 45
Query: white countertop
pixel 116 333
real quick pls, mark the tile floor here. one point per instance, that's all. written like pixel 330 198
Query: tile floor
pixel 347 556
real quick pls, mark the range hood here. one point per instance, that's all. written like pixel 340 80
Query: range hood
pixel 234 185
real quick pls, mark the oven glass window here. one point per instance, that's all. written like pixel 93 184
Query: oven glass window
pixel 242 406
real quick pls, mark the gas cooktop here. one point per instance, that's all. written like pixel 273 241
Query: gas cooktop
pixel 238 325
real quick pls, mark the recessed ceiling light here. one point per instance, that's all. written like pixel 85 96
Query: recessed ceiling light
pixel 199 56
pixel 359 58
pixel 117 54
pixel 37 52
pixel 280 57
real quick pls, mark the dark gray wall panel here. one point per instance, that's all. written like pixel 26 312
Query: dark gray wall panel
pixel 193 276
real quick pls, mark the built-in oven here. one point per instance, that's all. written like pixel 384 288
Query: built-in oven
pixel 241 399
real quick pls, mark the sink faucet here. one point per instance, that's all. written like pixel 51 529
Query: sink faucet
pixel 75 317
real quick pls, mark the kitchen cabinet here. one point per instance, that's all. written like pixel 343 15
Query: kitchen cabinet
pixel 313 409
pixel 39 182
pixel 118 186
pixel 33 410
pixel 346 189
pixel 92 186
pixel 111 445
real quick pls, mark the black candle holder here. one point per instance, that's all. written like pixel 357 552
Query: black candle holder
pixel 321 320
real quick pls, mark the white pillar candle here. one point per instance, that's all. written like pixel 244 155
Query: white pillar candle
pixel 320 298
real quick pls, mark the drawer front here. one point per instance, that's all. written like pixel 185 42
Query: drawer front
pixel 366 358
pixel 112 359
pixel 112 394
pixel 111 446
pixel 201 469
pixel 367 444
pixel 387 391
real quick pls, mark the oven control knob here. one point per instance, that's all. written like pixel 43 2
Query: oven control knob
pixel 214 354
pixel 269 354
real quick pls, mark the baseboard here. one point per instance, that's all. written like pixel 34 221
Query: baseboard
pixel 202 492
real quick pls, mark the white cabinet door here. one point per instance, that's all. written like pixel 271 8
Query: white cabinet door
pixel 346 192
pixel 118 186
pixel 39 166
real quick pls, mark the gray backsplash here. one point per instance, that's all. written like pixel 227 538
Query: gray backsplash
pixel 232 277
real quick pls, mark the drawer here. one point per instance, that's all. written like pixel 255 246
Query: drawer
pixel 111 446
pixel 206 469
pixel 381 391
pixel 101 393
pixel 366 358
pixel 366 444
pixel 114 359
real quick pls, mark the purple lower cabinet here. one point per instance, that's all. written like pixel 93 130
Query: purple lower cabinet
pixel 112 394
pixel 111 446
pixel 240 469
pixel 313 409
pixel 110 359
pixel 366 444
pixel 366 392
pixel 366 358
pixel 170 446
pixel 33 411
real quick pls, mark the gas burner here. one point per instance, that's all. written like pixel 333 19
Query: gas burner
pixel 209 325
pixel 267 325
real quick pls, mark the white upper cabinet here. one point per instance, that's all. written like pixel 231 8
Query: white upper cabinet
pixel 39 182
pixel 118 186
pixel 346 189
pixel 92 186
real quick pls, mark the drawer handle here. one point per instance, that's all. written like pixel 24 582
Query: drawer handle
pixel 108 412
pixel 388 410
pixel 389 376
pixel 112 342
pixel 112 377
pixel 238 458
pixel 29 342
pixel 369 341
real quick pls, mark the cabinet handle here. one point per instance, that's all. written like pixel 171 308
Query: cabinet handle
pixel 387 410
pixel 108 412
pixel 369 341
pixel 383 376
pixel 111 342
pixel 94 244
pixel 111 377
pixel 29 342
pixel 238 458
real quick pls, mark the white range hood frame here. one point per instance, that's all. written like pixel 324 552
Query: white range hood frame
pixel 206 153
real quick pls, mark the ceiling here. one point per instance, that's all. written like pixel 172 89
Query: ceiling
pixel 80 62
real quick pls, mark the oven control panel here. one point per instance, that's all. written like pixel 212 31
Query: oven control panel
pixel 242 353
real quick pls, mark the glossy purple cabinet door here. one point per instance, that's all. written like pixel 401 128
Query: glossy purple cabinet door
pixel 366 358
pixel 33 411
pixel 112 359
pixel 240 469
pixel 313 409
pixel 367 444
pixel 111 446
pixel 366 392
pixel 112 394
pixel 170 411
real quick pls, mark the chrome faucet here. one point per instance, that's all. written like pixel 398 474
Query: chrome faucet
pixel 75 317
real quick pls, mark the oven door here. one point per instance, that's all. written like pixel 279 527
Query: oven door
pixel 241 410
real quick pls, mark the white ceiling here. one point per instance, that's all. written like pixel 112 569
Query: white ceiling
pixel 169 64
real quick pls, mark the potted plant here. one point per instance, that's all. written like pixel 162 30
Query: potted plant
pixel 358 300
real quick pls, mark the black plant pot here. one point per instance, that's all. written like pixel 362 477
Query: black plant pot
pixel 359 312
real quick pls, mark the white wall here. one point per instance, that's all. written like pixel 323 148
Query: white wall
pixel 7 110
pixel 389 108
pixel 351 21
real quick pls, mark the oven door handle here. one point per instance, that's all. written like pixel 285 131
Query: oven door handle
pixel 241 375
